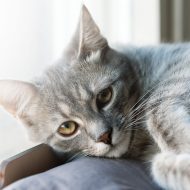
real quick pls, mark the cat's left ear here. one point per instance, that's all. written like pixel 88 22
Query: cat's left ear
pixel 16 95
pixel 87 38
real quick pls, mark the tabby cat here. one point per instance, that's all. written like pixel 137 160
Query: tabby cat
pixel 130 102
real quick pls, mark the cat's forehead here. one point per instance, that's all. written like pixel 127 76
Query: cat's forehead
pixel 88 74
pixel 81 79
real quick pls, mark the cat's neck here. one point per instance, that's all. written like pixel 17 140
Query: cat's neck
pixel 142 146
pixel 141 59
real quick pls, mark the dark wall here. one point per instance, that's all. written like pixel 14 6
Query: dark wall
pixel 175 20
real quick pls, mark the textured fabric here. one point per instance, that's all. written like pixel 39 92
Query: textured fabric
pixel 90 174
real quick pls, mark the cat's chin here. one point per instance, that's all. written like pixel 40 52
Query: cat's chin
pixel 111 151
pixel 120 146
pixel 99 149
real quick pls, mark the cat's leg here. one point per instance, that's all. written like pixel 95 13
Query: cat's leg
pixel 172 171
pixel 169 125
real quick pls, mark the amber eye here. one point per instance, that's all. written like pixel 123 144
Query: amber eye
pixel 68 128
pixel 104 97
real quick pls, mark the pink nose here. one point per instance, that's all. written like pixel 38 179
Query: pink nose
pixel 105 138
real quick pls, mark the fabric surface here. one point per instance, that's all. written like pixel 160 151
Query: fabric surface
pixel 90 174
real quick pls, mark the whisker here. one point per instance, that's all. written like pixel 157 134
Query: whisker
pixel 144 110
pixel 143 96
pixel 75 156
pixel 155 103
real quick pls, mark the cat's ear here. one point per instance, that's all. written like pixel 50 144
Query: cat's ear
pixel 15 95
pixel 87 37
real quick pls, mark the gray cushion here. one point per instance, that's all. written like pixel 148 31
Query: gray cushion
pixel 90 174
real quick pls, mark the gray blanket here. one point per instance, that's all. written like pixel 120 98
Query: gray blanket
pixel 90 174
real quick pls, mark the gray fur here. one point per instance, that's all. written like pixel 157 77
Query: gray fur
pixel 148 113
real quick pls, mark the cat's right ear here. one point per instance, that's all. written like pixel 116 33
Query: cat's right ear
pixel 16 95
pixel 87 38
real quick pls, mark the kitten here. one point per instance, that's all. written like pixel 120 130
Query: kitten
pixel 132 102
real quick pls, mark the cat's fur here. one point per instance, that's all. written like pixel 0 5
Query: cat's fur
pixel 149 113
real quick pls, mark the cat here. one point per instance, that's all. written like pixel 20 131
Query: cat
pixel 130 102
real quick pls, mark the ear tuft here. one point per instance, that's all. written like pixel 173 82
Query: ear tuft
pixel 15 95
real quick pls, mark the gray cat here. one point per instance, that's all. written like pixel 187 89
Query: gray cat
pixel 132 102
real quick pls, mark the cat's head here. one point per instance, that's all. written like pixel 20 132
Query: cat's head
pixel 81 102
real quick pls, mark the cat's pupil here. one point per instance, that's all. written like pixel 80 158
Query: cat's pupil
pixel 67 125
pixel 104 97
pixel 104 94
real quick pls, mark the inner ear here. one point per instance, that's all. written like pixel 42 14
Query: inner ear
pixel 16 95
pixel 87 38
pixel 90 37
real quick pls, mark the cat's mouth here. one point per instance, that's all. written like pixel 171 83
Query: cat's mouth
pixel 115 150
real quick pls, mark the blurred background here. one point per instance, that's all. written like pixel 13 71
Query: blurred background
pixel 33 34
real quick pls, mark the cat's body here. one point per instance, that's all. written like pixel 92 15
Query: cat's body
pixel 133 102
pixel 164 77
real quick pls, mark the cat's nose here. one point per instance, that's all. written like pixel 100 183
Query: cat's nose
pixel 105 137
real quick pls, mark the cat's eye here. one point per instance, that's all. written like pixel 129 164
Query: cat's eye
pixel 104 97
pixel 68 128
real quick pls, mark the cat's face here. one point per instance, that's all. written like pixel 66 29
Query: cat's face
pixel 80 103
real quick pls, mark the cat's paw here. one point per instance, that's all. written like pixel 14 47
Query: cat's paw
pixel 172 171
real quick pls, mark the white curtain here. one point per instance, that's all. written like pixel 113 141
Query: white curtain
pixel 33 34
pixel 121 21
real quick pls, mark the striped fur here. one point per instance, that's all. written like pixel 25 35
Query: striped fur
pixel 149 113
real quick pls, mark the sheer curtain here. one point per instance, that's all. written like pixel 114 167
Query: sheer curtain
pixel 34 32
pixel 121 21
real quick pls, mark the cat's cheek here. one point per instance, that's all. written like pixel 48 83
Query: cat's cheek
pixel 98 149
pixel 117 136
pixel 121 148
pixel 34 136
pixel 37 134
